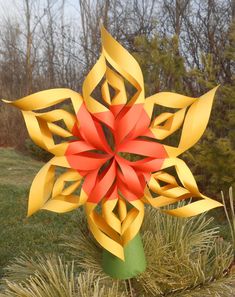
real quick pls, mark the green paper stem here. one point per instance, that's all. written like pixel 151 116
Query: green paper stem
pixel 134 264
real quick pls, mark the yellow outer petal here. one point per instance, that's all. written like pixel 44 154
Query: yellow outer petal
pixel 167 99
pixel 47 98
pixel 117 83
pixel 173 123
pixel 46 193
pixel 111 231
pixel 40 124
pixel 90 83
pixel 172 192
pixel 99 230
pixel 194 208
pixel 109 216
pixel 133 221
pixel 124 63
pixel 194 123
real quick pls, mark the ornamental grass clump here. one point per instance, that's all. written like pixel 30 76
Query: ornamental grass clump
pixel 186 258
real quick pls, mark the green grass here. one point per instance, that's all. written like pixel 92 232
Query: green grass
pixel 43 231
pixel 19 234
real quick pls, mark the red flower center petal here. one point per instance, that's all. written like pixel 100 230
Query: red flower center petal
pixel 106 172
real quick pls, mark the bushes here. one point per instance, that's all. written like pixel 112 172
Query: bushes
pixel 51 277
pixel 36 152
pixel 186 258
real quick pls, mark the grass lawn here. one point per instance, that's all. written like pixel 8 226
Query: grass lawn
pixel 41 232
pixel 19 234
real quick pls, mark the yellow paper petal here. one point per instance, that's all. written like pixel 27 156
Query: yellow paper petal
pixel 100 228
pixel 124 63
pixel 194 121
pixel 47 98
pixel 113 232
pixel 133 221
pixel 41 125
pixel 167 99
pixel 49 193
pixel 172 192
pixel 117 83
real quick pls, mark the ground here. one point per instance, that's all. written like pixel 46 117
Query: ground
pixel 43 231
pixel 19 234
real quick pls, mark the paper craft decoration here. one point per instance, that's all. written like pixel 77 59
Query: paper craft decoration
pixel 95 172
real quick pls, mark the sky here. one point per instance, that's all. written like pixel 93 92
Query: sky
pixel 9 8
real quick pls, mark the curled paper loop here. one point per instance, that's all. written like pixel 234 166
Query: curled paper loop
pixel 193 124
pixel 111 153
pixel 168 191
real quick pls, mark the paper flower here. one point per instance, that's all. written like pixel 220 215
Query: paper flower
pixel 95 173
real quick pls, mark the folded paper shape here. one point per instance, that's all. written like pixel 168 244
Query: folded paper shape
pixel 93 170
